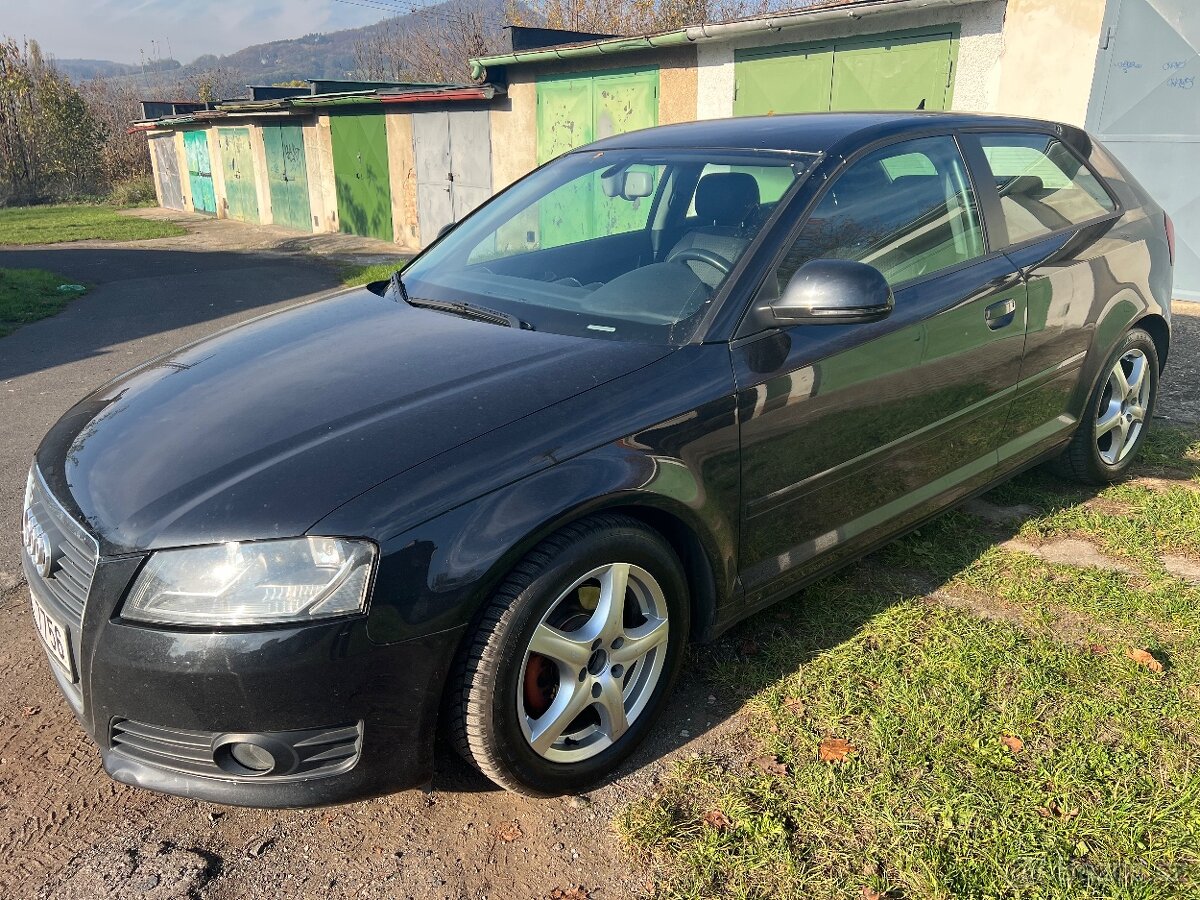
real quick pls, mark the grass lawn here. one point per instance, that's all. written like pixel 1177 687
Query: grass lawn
pixel 354 274
pixel 963 715
pixel 77 222
pixel 27 295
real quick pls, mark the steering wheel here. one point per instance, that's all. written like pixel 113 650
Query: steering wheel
pixel 699 254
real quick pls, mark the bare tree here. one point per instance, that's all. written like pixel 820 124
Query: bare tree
pixel 431 45
pixel 114 104
pixel 629 16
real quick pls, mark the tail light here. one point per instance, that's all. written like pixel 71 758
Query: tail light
pixel 1170 236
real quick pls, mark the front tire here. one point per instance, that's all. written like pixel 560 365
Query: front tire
pixel 1117 416
pixel 573 658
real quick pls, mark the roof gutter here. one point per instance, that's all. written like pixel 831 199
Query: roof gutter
pixel 696 34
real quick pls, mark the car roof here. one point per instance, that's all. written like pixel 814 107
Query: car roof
pixel 803 133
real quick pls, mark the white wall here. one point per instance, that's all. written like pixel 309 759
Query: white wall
pixel 977 74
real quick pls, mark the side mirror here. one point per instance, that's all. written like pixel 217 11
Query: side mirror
pixel 832 292
pixel 449 226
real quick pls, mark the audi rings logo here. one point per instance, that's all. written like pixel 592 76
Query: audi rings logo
pixel 37 544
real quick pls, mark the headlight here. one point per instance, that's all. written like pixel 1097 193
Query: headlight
pixel 253 583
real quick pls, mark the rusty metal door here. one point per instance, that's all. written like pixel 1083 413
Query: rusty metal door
pixel 575 110
pixel 166 163
pixel 237 165
pixel 287 176
pixel 470 159
pixel 204 197
pixel 454 166
pixel 361 174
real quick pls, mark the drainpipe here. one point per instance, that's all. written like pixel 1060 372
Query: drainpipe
pixel 696 34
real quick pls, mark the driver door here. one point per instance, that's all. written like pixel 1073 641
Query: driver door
pixel 852 432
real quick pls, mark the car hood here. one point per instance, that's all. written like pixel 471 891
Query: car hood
pixel 262 430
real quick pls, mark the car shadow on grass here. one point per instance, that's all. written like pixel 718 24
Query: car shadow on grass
pixel 719 678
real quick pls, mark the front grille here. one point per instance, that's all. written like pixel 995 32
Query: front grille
pixel 74 552
pixel 318 752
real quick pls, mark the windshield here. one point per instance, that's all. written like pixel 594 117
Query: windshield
pixel 617 244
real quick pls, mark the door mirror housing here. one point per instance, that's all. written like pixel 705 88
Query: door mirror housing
pixel 832 292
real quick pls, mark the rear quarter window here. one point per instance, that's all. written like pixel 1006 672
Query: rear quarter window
pixel 1043 186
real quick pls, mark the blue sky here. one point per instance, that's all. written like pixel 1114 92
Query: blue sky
pixel 119 29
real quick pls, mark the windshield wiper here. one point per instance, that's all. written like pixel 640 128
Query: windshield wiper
pixel 461 308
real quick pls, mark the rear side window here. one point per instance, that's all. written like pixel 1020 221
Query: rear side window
pixel 1043 186
pixel 908 210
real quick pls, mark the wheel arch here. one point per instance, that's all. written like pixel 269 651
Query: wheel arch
pixel 1160 332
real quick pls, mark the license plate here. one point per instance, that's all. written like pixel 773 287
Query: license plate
pixel 54 636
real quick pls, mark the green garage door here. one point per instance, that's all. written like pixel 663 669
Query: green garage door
pixel 195 147
pixel 237 165
pixel 788 80
pixel 287 176
pixel 575 110
pixel 897 71
pixel 361 175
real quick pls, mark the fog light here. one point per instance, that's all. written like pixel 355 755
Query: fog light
pixel 256 759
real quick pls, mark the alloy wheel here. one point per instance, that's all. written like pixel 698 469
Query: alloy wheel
pixel 593 663
pixel 1121 415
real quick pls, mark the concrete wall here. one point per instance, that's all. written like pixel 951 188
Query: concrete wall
pixel 322 190
pixel 262 184
pixel 977 73
pixel 402 174
pixel 1049 58
pixel 514 134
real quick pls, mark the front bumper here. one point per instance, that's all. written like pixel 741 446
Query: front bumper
pixel 159 702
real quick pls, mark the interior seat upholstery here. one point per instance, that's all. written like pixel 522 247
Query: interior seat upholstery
pixel 725 203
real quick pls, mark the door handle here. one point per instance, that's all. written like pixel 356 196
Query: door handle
pixel 1000 314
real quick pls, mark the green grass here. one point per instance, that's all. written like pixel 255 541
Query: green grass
pixel 27 295
pixel 77 222
pixel 354 274
pixel 1102 799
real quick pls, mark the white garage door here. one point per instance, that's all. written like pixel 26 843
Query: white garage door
pixel 1146 109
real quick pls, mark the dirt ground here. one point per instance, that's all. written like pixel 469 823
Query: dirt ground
pixel 67 831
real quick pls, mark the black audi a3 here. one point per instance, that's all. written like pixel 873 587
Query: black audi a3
pixel 659 383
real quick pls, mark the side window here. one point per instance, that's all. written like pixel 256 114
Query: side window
pixel 907 209
pixel 1043 186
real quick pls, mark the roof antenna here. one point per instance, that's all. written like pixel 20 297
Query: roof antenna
pixel 921 105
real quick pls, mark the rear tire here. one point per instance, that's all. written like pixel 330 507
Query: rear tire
pixel 573 658
pixel 1117 416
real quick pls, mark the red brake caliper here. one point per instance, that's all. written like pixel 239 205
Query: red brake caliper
pixel 539 684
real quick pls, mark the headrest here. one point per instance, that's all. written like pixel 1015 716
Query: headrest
pixel 1024 185
pixel 726 198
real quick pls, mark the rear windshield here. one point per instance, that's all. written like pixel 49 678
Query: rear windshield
pixel 623 245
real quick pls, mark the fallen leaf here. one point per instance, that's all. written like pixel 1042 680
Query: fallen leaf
pixel 869 893
pixel 510 832
pixel 794 706
pixel 771 765
pixel 32 710
pixel 748 648
pixel 835 750
pixel 1098 649
pixel 1013 743
pixel 579 892
pixel 1144 658
pixel 718 820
